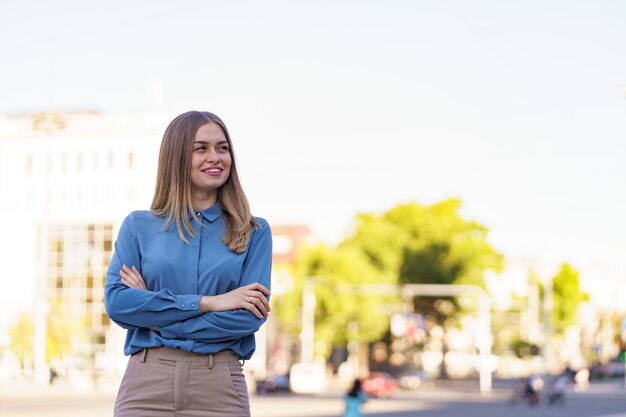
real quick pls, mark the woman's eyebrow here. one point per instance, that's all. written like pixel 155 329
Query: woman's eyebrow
pixel 204 142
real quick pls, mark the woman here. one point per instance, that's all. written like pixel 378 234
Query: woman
pixel 190 280
pixel 354 399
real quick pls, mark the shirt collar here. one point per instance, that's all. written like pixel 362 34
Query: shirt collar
pixel 211 213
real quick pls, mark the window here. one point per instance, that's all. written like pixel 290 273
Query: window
pixel 77 261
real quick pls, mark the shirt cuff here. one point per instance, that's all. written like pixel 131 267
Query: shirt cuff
pixel 188 302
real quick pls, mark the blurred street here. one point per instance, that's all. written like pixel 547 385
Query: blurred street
pixel 448 399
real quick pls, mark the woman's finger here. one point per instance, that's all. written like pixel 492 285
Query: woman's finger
pixel 262 300
pixel 261 307
pixel 255 286
pixel 251 307
pixel 126 277
pixel 128 281
pixel 139 278
pixel 127 273
pixel 256 306
pixel 132 278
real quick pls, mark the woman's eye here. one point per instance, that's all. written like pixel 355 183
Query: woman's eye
pixel 223 149
pixel 199 148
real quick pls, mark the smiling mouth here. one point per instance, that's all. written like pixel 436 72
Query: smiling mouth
pixel 212 171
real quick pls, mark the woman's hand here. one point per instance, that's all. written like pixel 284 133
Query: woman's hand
pixel 132 278
pixel 252 297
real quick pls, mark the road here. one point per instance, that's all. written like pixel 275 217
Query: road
pixel 434 402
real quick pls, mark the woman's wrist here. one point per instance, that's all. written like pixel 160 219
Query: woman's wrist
pixel 206 303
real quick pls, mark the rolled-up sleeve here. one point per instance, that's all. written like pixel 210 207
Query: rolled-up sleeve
pixel 213 327
pixel 132 308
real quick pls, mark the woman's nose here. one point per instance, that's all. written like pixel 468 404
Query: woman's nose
pixel 212 156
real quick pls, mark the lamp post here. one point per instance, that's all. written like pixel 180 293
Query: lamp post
pixel 415 290
pixel 307 335
pixel 484 318
pixel 548 305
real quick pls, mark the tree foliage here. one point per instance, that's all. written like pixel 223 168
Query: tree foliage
pixel 21 339
pixel 416 244
pixel 410 243
pixel 60 321
pixel 58 331
pixel 334 274
pixel 566 298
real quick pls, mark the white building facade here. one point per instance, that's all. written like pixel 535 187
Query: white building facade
pixel 66 183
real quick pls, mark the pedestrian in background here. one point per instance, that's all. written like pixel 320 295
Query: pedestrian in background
pixel 557 394
pixel 190 280
pixel 354 399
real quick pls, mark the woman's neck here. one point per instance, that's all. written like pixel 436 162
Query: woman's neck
pixel 203 203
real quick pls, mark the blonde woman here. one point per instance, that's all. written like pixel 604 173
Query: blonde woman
pixel 190 280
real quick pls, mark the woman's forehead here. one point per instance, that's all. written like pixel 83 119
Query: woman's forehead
pixel 210 132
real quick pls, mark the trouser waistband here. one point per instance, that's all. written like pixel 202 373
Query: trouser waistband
pixel 177 355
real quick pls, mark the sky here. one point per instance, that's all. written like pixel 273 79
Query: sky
pixel 340 107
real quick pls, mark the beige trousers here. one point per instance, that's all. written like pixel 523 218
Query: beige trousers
pixel 162 382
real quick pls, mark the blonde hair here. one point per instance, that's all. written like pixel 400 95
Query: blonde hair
pixel 172 194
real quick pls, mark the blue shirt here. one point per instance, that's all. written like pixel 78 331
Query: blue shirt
pixel 177 275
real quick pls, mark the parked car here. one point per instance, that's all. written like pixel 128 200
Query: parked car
pixel 613 369
pixel 380 384
pixel 274 383
pixel 412 380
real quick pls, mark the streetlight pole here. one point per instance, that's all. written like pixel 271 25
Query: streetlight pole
pixel 484 318
pixel 484 313
pixel 547 325
pixel 307 335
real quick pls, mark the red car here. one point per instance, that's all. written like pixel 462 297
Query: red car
pixel 379 384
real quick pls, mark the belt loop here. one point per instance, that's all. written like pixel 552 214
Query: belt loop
pixel 144 353
pixel 211 361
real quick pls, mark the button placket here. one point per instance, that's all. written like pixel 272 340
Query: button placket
pixel 192 261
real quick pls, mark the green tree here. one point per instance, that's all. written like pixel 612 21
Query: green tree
pixel 418 244
pixel 335 273
pixel 21 339
pixel 427 244
pixel 58 342
pixel 58 331
pixel 410 243
pixel 567 297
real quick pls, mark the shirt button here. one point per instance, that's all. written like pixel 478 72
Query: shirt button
pixel 182 306
pixel 193 305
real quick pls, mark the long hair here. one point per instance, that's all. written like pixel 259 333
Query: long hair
pixel 172 194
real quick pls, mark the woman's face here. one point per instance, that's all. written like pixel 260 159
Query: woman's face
pixel 210 163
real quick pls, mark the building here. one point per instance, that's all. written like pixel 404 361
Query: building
pixel 67 180
pixel 287 242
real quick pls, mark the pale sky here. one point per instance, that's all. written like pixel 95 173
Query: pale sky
pixel 338 107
